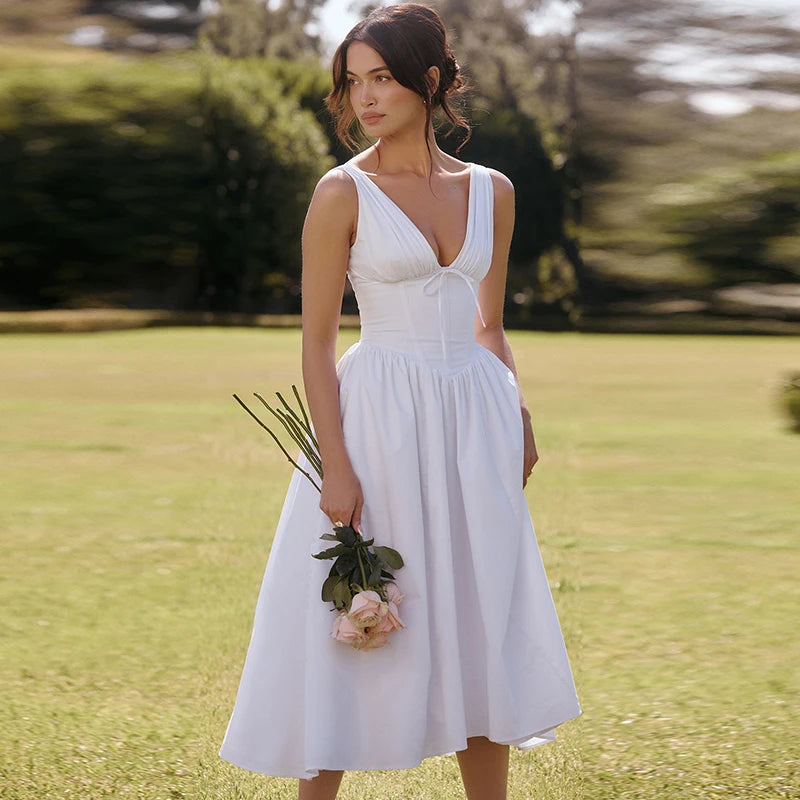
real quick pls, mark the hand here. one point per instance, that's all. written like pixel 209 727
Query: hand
pixel 531 456
pixel 341 497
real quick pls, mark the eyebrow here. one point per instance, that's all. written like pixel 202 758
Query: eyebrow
pixel 376 69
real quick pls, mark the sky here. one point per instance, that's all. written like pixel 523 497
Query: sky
pixel 337 18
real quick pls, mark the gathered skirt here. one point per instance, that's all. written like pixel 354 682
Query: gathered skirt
pixel 439 455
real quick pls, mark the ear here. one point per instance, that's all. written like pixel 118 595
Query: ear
pixel 432 77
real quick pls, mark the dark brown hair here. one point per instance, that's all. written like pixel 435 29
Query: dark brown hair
pixel 411 38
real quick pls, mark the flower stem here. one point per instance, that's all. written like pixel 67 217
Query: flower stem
pixel 278 442
pixel 296 432
pixel 361 567
pixel 305 416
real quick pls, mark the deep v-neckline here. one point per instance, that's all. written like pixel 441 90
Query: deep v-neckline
pixel 418 232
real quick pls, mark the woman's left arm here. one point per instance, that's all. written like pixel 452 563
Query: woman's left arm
pixel 491 296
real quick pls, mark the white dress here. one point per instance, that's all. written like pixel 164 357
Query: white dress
pixel 433 429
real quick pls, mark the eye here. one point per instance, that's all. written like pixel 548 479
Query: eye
pixel 382 78
pixel 351 81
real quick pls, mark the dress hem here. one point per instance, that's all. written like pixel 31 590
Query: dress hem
pixel 541 734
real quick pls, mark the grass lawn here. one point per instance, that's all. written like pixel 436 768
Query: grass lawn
pixel 138 503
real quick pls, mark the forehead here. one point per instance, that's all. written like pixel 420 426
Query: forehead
pixel 362 59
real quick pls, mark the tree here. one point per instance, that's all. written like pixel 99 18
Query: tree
pixel 677 194
pixel 741 225
pixel 243 28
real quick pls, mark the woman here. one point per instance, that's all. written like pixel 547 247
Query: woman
pixel 426 441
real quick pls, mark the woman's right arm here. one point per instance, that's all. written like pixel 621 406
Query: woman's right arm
pixel 327 235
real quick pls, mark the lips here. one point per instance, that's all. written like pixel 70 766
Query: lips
pixel 369 119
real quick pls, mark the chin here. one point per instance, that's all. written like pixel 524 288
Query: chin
pixel 389 129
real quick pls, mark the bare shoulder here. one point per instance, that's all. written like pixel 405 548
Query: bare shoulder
pixel 503 188
pixel 335 187
pixel 334 207
pixel 504 203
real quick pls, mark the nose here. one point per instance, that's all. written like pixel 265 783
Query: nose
pixel 366 96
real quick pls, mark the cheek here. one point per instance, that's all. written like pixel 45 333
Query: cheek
pixel 401 98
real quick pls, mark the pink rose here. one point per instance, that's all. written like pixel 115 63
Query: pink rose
pixel 345 630
pixel 390 622
pixel 393 593
pixel 373 640
pixel 367 609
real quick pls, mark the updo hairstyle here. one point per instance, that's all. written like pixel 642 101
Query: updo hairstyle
pixel 411 38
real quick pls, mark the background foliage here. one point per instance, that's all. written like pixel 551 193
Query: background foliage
pixel 739 224
pixel 177 180
pixel 264 154
pixel 138 174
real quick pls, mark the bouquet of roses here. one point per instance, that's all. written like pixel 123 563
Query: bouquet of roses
pixel 359 584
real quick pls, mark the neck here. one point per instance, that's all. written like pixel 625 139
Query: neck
pixel 407 152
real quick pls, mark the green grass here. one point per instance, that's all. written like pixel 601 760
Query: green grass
pixel 138 502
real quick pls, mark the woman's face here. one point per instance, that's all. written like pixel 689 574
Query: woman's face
pixel 378 100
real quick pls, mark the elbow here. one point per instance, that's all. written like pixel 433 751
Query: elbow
pixel 316 349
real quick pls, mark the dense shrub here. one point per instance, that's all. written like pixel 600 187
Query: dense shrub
pixel 264 155
pixel 123 183
pixel 789 398
pixel 102 180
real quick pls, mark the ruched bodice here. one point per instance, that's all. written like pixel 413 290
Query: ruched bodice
pixel 407 301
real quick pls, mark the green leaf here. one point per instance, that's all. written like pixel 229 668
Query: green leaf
pixel 355 575
pixel 330 537
pixel 389 556
pixel 345 563
pixel 346 535
pixel 328 587
pixel 375 575
pixel 341 591
pixel 331 552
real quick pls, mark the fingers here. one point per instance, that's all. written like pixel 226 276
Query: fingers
pixel 338 517
pixel 342 516
pixel 527 469
pixel 356 521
